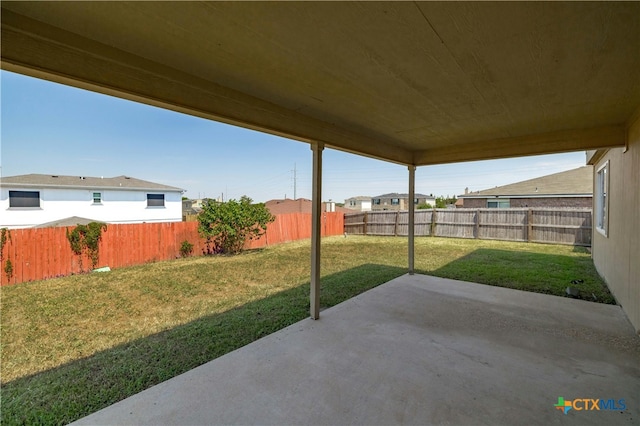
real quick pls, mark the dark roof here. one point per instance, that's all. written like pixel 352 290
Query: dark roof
pixel 571 182
pixel 396 195
pixel 59 181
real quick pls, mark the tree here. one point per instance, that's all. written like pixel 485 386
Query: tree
pixel 442 202
pixel 423 206
pixel 228 226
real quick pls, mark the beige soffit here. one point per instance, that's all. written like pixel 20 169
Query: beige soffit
pixel 409 82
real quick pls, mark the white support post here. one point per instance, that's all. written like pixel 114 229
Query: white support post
pixel 410 231
pixel 316 217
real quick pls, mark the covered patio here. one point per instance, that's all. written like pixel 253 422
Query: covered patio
pixel 414 83
pixel 416 350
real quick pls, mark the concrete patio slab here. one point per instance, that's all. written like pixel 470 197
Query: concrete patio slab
pixel 416 350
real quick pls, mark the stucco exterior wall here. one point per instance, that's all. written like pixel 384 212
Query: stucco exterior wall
pixel 118 206
pixel 617 255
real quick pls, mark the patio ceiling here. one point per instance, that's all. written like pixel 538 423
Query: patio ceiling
pixel 412 83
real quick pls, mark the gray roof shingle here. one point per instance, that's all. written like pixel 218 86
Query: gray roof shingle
pixel 571 182
pixel 67 221
pixel 396 195
pixel 59 181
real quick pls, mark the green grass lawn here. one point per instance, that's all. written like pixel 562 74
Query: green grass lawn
pixel 71 346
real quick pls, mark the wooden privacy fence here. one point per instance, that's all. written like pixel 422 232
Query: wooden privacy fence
pixel 539 225
pixel 40 253
pixel 297 226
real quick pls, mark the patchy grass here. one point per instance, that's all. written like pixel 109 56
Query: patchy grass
pixel 74 345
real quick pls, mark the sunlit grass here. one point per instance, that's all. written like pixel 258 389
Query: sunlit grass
pixel 71 346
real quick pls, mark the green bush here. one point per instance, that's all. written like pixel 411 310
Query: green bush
pixel 228 226
pixel 186 248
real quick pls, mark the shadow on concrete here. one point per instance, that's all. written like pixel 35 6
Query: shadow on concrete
pixel 537 272
pixel 114 374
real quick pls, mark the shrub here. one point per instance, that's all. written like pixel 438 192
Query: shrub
pixel 186 248
pixel 228 226
pixel 8 269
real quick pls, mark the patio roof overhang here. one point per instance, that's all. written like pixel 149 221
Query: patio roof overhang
pixel 412 83
pixel 408 82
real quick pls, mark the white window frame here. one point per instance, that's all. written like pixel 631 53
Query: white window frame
pixel 601 199
pixel 99 198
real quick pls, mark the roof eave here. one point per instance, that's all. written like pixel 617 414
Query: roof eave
pixel 96 187
pixel 580 195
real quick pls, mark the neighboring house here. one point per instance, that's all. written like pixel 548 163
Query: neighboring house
pixel 35 199
pixel 301 205
pixel 197 203
pixel 615 244
pixel 395 201
pixel 192 208
pixel 360 203
pixel 573 188
pixel 188 208
pixel 190 211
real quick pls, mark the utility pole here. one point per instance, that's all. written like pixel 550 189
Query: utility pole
pixel 295 182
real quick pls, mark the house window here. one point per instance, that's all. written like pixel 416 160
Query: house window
pixel 376 201
pixel 415 201
pixel 602 199
pixel 352 203
pixel 97 198
pixel 155 200
pixel 395 201
pixel 24 199
pixel 498 204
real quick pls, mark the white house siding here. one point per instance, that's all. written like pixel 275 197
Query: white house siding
pixel 118 206
pixel 617 255
pixel 361 204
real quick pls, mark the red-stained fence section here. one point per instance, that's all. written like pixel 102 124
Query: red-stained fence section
pixel 40 253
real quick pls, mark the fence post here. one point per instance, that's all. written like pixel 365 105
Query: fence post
pixel 476 224
pixel 395 228
pixel 434 213
pixel 529 225
pixel 366 218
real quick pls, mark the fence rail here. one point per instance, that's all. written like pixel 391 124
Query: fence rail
pixel 40 253
pixel 540 225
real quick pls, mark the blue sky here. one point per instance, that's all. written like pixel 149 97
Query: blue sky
pixel 55 129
